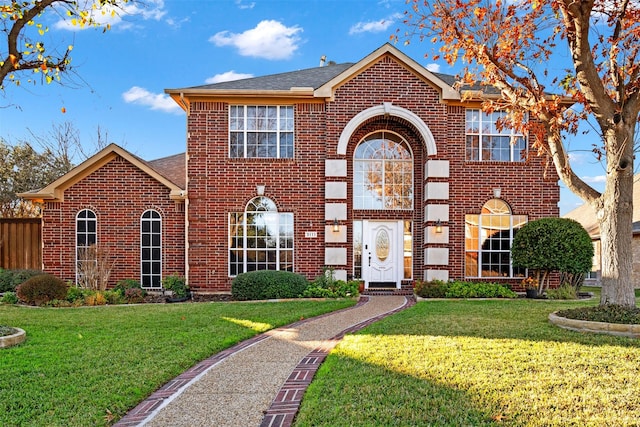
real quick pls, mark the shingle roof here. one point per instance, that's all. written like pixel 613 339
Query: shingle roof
pixel 172 167
pixel 452 81
pixel 314 78
pixel 586 216
pixel 310 77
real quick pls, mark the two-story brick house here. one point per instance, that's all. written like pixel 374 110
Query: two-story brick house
pixel 378 169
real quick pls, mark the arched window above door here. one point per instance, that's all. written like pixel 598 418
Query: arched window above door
pixel 383 173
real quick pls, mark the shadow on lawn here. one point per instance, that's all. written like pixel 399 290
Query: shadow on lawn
pixel 377 396
pixel 490 319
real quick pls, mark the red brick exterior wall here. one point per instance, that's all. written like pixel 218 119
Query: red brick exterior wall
pixel 118 193
pixel 219 185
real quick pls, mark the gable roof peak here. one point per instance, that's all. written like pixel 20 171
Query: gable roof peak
pixel 447 91
pixel 55 190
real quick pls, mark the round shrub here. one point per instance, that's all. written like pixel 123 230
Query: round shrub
pixel 41 289
pixel 268 284
pixel 552 244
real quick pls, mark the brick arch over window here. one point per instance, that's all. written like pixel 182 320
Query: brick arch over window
pixel 392 110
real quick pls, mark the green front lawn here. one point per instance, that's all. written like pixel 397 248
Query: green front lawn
pixel 88 366
pixel 476 363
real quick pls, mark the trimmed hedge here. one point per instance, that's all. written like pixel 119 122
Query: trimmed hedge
pixel 42 289
pixel 459 289
pixel 268 284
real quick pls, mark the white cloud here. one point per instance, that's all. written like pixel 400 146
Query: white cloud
pixel 244 5
pixel 155 101
pixel 374 26
pixel 227 77
pixel 269 39
pixel 109 15
pixel 176 24
pixel 434 68
pixel 579 158
pixel 598 179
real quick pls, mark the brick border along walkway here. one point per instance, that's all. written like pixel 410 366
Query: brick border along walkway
pixel 287 402
pixel 285 406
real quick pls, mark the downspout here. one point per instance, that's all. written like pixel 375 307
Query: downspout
pixel 186 200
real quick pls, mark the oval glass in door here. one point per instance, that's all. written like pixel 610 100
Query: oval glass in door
pixel 382 245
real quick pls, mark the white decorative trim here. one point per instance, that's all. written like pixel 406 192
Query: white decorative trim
pixel 335 190
pixel 436 169
pixel 430 275
pixel 335 256
pixel 387 109
pixel 436 256
pixel 436 191
pixel 335 167
pixel 340 275
pixel 335 211
pixel 436 212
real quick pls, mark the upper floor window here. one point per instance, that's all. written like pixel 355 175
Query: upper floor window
pixel 486 143
pixel 488 239
pixel 383 173
pixel 261 131
pixel 260 238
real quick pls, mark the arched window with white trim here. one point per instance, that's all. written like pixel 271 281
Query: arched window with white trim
pixel 488 240
pixel 383 173
pixel 260 238
pixel 86 241
pixel 151 250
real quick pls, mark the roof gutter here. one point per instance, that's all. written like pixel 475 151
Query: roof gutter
pixel 294 92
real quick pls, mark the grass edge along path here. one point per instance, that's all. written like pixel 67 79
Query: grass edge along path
pixel 480 363
pixel 89 366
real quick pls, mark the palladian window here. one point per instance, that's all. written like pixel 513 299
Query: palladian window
pixel 383 173
pixel 488 239
pixel 260 238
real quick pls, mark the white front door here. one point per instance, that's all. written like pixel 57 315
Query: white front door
pixel 382 257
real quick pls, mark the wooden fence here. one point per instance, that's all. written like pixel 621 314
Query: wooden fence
pixel 20 243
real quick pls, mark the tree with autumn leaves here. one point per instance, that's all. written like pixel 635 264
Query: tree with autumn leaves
pixel 513 45
pixel 27 51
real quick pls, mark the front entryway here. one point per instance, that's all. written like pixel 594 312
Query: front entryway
pixel 382 255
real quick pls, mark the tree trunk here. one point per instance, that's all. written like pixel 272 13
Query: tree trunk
pixel 615 218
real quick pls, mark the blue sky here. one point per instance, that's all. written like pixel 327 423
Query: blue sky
pixel 121 74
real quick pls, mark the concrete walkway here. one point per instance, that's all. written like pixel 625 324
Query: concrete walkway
pixel 261 381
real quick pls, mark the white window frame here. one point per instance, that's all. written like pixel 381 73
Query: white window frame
pixel 150 247
pixel 359 201
pixel 284 125
pixel 479 251
pixel 86 234
pixel 486 130
pixel 239 242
